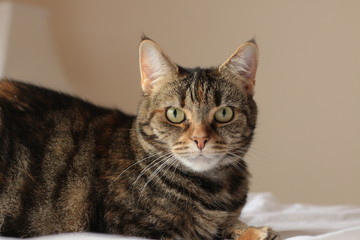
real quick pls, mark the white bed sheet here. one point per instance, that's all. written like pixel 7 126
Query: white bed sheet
pixel 303 221
pixel 292 221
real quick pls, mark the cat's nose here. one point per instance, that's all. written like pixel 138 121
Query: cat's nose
pixel 200 141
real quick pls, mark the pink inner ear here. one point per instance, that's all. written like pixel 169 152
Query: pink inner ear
pixel 241 67
pixel 150 64
pixel 145 75
pixel 154 65
pixel 145 68
pixel 245 62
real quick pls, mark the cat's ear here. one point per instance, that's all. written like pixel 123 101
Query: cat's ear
pixel 155 65
pixel 242 65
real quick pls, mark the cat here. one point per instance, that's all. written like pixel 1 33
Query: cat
pixel 174 171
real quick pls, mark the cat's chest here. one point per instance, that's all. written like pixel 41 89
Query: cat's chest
pixel 172 202
pixel 190 208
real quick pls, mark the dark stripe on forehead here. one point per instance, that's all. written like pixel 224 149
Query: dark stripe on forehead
pixel 192 98
pixel 182 96
pixel 217 97
pixel 202 87
pixel 198 86
pixel 207 87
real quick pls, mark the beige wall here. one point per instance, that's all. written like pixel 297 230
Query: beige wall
pixel 4 33
pixel 27 48
pixel 308 84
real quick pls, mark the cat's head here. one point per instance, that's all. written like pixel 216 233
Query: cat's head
pixel 197 118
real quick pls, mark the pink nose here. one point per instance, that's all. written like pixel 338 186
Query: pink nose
pixel 200 141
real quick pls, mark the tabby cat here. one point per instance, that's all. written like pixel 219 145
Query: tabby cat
pixel 174 171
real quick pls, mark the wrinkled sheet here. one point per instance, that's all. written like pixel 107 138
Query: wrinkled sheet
pixel 303 221
pixel 292 221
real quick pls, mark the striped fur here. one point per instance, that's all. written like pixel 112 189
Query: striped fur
pixel 69 166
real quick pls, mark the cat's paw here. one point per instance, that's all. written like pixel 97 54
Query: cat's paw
pixel 255 233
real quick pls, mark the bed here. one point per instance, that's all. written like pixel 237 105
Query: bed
pixel 292 221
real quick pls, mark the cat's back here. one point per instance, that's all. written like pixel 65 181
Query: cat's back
pixel 25 97
pixel 50 144
pixel 18 99
pixel 34 114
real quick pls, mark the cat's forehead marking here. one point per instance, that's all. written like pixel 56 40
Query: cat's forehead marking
pixel 198 90
pixel 199 87
pixel 217 97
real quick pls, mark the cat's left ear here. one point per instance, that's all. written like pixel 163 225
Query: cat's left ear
pixel 155 66
pixel 242 66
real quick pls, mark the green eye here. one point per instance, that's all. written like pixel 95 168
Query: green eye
pixel 224 115
pixel 175 115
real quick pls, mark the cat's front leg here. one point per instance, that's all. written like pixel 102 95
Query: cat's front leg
pixel 255 233
pixel 240 231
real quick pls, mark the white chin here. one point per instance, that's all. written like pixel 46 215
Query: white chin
pixel 199 163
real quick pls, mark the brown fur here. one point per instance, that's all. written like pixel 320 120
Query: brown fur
pixel 67 165
pixel 8 90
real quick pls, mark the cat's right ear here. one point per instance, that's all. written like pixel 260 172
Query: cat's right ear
pixel 155 66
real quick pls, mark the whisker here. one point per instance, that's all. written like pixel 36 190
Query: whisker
pixel 237 167
pixel 237 157
pixel 249 149
pixel 253 169
pixel 132 165
pixel 156 172
pixel 253 153
pixel 258 151
pixel 154 163
pixel 174 161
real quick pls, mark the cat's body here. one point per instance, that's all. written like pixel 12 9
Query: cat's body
pixel 171 172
